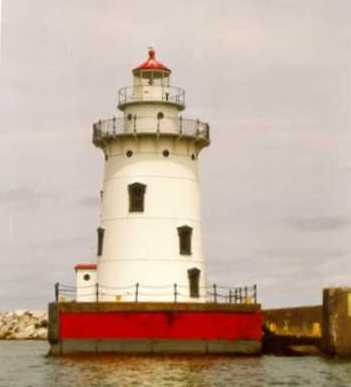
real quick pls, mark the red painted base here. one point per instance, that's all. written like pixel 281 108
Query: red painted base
pixel 155 328
pixel 161 325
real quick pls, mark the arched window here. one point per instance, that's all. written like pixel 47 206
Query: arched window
pixel 194 280
pixel 100 244
pixel 184 233
pixel 136 197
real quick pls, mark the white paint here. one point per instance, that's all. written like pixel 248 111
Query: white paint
pixel 1 10
pixel 86 285
pixel 144 247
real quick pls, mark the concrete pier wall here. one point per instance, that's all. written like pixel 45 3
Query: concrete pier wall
pixel 298 321
pixel 326 327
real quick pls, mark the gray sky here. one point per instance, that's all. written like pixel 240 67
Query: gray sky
pixel 273 79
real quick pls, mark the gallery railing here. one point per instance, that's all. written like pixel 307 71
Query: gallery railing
pixel 133 124
pixel 176 292
pixel 168 94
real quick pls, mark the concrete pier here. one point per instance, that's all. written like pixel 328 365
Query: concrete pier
pixel 336 326
pixel 310 329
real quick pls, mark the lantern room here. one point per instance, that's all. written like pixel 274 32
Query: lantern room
pixel 151 83
pixel 152 72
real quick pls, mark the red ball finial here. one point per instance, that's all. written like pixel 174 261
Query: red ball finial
pixel 152 53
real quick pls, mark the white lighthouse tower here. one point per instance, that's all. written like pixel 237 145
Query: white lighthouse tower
pixel 150 238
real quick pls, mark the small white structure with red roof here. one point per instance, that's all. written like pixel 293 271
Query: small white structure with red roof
pixel 150 237
pixel 85 282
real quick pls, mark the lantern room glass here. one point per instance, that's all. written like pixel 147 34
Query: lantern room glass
pixel 159 78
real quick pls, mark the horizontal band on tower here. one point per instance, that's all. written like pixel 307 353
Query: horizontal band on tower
pixel 131 177
pixel 176 259
pixel 150 218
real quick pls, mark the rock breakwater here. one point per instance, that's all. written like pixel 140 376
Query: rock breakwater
pixel 23 325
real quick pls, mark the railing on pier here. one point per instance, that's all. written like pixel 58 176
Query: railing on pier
pixel 104 130
pixel 169 94
pixel 176 293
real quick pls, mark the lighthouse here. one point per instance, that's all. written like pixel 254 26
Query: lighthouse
pixel 150 234
pixel 147 292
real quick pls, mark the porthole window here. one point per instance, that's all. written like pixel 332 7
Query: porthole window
pixel 136 197
pixel 129 153
pixel 160 115
pixel 86 277
pixel 165 153
pixel 129 117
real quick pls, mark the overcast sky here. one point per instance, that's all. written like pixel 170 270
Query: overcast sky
pixel 273 79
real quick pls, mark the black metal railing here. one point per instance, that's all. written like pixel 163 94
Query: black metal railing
pixel 175 293
pixel 169 94
pixel 132 124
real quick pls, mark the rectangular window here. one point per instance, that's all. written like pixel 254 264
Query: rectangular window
pixel 100 244
pixel 184 234
pixel 136 197
pixel 194 279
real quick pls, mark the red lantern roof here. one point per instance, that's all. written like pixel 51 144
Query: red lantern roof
pixel 85 266
pixel 152 63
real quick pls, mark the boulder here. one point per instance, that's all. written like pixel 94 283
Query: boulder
pixel 23 324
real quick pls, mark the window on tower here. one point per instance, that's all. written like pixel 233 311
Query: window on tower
pixel 100 244
pixel 136 197
pixel 194 279
pixel 184 233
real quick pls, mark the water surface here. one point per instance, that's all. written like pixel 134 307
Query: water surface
pixel 25 364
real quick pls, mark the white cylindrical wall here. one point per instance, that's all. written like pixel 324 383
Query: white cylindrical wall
pixel 144 247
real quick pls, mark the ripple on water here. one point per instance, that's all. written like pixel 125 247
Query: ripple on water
pixel 24 364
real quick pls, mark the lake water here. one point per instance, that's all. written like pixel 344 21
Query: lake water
pixel 25 364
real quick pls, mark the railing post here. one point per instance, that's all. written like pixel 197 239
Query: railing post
pixel 158 126
pixel 175 292
pixel 181 125
pixel 245 295
pixel 215 293
pixel 114 125
pixel 97 292
pixel 57 291
pixel 136 291
pixel 255 293
pixel 134 123
pixel 240 296
pixel 197 128
pixel 230 296
pixel 207 132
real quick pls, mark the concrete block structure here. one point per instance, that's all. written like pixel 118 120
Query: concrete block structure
pixel 337 321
